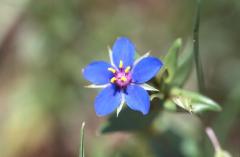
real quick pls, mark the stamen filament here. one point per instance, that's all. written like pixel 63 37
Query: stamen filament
pixel 127 69
pixel 112 70
pixel 121 64
pixel 123 78
pixel 113 79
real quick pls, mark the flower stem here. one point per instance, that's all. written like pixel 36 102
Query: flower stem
pixel 198 64
pixel 213 138
pixel 81 153
pixel 199 71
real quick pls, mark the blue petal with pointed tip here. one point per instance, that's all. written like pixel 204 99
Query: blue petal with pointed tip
pixel 146 69
pixel 97 72
pixel 123 49
pixel 137 99
pixel 107 101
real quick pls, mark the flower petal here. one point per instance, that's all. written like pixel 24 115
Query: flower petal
pixel 146 69
pixel 123 49
pixel 97 72
pixel 107 101
pixel 137 99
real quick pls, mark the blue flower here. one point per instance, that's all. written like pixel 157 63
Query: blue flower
pixel 123 80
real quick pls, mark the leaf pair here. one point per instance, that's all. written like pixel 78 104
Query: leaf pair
pixel 178 70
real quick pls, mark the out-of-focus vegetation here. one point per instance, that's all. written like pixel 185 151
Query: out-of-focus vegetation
pixel 44 45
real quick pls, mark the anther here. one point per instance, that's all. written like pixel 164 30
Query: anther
pixel 113 79
pixel 123 78
pixel 112 70
pixel 121 64
pixel 127 69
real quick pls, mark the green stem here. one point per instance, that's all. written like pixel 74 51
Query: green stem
pixel 198 64
pixel 200 77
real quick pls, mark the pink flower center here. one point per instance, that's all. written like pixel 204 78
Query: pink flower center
pixel 122 77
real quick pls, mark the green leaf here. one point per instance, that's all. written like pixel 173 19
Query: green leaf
pixel 170 62
pixel 81 153
pixel 183 102
pixel 129 120
pixel 184 67
pixel 193 102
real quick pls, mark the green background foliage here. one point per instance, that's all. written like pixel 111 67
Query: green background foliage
pixel 45 44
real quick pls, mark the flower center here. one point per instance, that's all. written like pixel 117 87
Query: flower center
pixel 122 77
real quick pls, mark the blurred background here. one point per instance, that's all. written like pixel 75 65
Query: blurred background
pixel 44 45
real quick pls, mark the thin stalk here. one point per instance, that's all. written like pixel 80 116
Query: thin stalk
pixel 197 59
pixel 199 71
pixel 213 138
pixel 81 153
